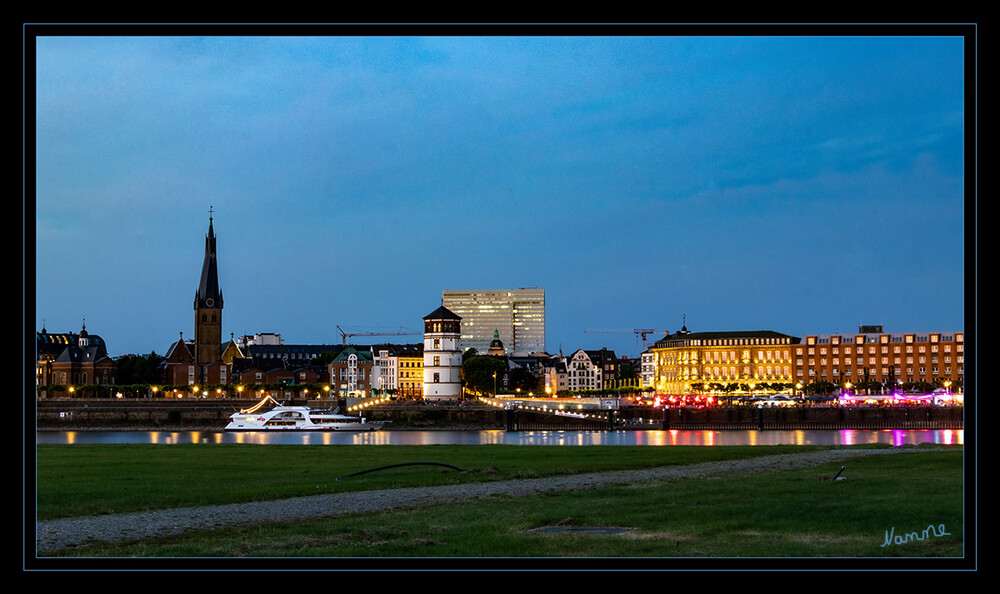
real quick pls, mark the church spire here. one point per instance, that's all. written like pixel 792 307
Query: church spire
pixel 209 294
pixel 208 309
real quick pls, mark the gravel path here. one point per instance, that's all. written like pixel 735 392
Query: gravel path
pixel 57 534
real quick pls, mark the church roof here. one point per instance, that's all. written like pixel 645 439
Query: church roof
pixel 179 351
pixel 209 294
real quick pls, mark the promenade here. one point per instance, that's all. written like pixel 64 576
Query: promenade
pixel 159 413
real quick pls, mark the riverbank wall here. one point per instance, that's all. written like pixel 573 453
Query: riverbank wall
pixel 153 414
pixel 213 414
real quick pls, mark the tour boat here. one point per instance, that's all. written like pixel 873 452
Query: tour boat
pixel 283 417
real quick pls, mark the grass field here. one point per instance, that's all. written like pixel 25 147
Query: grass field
pixel 781 514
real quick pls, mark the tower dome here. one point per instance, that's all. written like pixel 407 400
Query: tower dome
pixel 496 346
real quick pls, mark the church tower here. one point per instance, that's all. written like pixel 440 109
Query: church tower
pixel 208 307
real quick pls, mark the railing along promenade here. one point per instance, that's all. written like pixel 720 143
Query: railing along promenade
pixel 212 412
pixel 820 417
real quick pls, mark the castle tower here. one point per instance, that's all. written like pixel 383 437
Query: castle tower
pixel 208 307
pixel 442 355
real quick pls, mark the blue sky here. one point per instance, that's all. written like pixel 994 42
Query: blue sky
pixel 797 184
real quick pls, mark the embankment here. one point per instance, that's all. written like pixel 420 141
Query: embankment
pixel 212 414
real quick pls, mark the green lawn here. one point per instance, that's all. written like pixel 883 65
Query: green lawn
pixel 785 514
pixel 81 480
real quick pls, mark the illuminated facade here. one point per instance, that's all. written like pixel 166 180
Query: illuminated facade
pixel 516 317
pixel 584 372
pixel 593 370
pixel 893 359
pixel 399 368
pixel 647 369
pixel 442 355
pixel 687 362
pixel 351 372
pixel 411 375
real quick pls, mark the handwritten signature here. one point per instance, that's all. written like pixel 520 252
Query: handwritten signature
pixel 892 538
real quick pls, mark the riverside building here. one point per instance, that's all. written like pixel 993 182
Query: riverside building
pixel 516 317
pixel 398 368
pixel 894 359
pixel 687 362
pixel 69 359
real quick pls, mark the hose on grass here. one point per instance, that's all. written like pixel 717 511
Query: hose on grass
pixel 398 465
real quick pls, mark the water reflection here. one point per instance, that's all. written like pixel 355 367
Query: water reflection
pixel 497 437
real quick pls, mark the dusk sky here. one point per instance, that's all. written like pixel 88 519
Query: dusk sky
pixel 805 185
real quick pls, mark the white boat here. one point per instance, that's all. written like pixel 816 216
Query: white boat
pixel 283 417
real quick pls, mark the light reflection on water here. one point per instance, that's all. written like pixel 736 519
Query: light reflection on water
pixel 894 437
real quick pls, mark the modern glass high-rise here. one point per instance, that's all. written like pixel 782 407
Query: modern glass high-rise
pixel 518 315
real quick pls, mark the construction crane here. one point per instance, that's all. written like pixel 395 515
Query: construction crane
pixel 344 335
pixel 643 332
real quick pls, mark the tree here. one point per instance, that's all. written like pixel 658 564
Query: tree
pixel 524 379
pixel 627 371
pixel 138 369
pixel 478 372
pixel 820 387
pixel 323 359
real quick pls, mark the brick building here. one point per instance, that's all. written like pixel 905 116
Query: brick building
pixel 894 359
pixel 70 359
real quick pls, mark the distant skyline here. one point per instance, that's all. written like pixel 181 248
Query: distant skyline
pixel 800 184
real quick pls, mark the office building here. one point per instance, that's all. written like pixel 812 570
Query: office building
pixel 516 317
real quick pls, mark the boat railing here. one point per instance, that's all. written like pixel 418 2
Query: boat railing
pixel 257 406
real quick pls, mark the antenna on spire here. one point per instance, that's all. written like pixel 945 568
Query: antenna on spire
pixel 210 211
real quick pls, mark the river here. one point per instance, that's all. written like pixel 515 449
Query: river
pixel 893 437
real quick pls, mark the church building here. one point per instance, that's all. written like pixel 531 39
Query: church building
pixel 205 360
